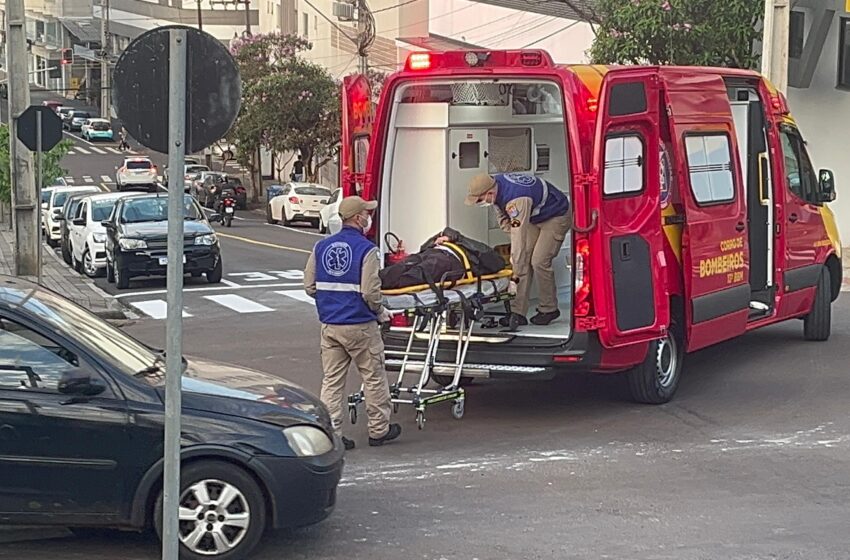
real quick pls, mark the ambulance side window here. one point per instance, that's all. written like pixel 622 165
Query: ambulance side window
pixel 710 168
pixel 799 171
pixel 624 169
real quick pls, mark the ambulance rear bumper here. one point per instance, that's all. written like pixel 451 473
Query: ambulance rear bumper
pixel 519 357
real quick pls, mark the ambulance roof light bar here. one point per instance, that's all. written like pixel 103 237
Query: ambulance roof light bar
pixel 422 61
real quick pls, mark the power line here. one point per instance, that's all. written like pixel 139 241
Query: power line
pixel 329 20
pixel 387 9
pixel 550 35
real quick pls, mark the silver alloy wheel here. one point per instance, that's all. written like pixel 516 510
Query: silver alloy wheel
pixel 667 360
pixel 88 264
pixel 214 517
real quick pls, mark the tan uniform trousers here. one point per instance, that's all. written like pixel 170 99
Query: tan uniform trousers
pixel 540 244
pixel 362 344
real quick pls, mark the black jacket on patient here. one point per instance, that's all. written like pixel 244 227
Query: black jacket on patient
pixel 436 263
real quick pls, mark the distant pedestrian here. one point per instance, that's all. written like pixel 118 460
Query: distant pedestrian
pixel 342 274
pixel 298 170
pixel 123 145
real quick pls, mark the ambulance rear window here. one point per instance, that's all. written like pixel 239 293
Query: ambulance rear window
pixel 523 98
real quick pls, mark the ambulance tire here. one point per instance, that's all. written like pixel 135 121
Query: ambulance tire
pixel 817 325
pixel 655 380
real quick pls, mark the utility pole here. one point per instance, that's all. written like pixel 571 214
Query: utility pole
pixel 362 10
pixel 200 17
pixel 248 18
pixel 774 58
pixel 26 209
pixel 104 60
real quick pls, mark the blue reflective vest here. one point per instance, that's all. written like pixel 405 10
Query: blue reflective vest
pixel 339 261
pixel 546 200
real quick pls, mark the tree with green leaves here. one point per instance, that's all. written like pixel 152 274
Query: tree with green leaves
pixel 681 32
pixel 50 168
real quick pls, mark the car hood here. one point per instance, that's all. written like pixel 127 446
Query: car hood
pixel 156 229
pixel 237 391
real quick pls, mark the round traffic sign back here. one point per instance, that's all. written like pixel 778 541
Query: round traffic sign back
pixel 140 86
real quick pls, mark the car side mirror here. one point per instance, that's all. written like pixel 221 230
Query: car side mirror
pixel 80 385
pixel 79 222
pixel 107 224
pixel 827 185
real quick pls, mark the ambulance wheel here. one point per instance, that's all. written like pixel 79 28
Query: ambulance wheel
pixel 817 325
pixel 656 379
pixel 352 414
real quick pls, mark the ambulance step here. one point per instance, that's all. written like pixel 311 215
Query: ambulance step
pixel 469 370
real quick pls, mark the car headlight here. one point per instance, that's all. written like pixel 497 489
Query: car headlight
pixel 132 244
pixel 98 237
pixel 208 239
pixel 308 441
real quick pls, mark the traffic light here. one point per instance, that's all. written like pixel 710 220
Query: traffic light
pixel 67 56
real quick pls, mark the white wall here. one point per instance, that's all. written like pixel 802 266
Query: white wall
pixel 502 28
pixel 823 113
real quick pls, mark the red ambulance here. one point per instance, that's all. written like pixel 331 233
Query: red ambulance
pixel 698 214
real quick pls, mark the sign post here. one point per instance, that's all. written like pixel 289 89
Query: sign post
pixel 39 179
pixel 199 114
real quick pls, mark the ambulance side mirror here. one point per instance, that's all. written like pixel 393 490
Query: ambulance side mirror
pixel 827 185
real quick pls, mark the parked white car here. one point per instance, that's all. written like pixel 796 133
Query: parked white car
pixel 329 220
pixel 45 201
pixel 87 237
pixel 299 202
pixel 136 171
pixel 52 225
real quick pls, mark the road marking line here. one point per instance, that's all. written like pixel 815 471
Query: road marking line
pixel 114 151
pixel 69 179
pixel 314 234
pixel 299 295
pixel 209 289
pixel 98 151
pixel 83 150
pixel 155 308
pixel 78 138
pixel 239 304
pixel 263 243
pixel 70 152
pixel 106 179
pixel 229 283
pixel 88 179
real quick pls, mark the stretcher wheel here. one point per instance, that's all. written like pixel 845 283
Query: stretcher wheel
pixel 352 414
pixel 395 408
pixel 457 410
pixel 420 420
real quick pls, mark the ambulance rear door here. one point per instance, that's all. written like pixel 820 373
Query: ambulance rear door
pixel 629 236
pixel 357 118
pixel 715 249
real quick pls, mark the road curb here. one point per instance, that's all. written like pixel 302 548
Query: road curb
pixel 11 534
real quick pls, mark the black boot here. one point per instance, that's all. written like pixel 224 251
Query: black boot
pixel 392 433
pixel 519 320
pixel 348 443
pixel 545 318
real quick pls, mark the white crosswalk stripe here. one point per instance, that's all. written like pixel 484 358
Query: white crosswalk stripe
pixel 88 179
pixel 298 295
pixel 69 179
pixel 155 308
pixel 97 150
pixel 82 150
pixel 106 178
pixel 114 150
pixel 238 303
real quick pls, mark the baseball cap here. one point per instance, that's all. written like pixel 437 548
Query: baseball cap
pixel 479 185
pixel 353 205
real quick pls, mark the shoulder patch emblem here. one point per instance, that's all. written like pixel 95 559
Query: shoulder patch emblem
pixel 512 211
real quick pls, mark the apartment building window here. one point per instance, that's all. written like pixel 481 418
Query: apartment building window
pixel 306 20
pixel 844 54
pixel 797 34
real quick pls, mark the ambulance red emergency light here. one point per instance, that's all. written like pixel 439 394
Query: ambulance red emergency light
pixel 698 213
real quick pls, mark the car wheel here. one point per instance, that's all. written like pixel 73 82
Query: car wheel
pixel 66 254
pixel 656 379
pixel 122 279
pixel 214 275
pixel 817 325
pixel 222 512
pixel 322 227
pixel 269 218
pixel 88 265
pixel 110 273
pixel 75 264
pixel 50 242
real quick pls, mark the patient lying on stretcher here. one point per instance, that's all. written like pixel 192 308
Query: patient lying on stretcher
pixel 443 258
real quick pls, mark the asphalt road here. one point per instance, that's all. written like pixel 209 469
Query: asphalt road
pixel 750 460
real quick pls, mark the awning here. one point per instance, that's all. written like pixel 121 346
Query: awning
pixel 87 30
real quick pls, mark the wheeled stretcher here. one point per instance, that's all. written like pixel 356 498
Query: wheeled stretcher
pixel 433 310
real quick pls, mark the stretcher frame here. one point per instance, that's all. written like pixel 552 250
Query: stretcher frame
pixel 433 319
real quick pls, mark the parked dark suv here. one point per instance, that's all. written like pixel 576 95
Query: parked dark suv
pixel 137 240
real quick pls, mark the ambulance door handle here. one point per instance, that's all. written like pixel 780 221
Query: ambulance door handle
pixel 740 226
pixel 792 218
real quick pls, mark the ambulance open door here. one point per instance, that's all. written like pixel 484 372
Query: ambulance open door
pixel 629 242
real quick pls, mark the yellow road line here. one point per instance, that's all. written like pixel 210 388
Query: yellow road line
pixel 262 243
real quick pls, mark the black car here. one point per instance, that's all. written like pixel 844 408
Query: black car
pixel 68 210
pixel 81 434
pixel 76 119
pixel 137 240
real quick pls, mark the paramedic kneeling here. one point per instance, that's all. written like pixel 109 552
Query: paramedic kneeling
pixel 537 215
pixel 342 274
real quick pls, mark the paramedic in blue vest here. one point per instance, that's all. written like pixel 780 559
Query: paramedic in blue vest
pixel 537 216
pixel 342 275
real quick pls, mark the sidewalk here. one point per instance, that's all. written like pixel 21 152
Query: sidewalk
pixel 58 277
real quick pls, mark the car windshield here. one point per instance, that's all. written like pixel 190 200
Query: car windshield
pixel 196 168
pixel 45 196
pixel 70 320
pixel 82 116
pixel 100 126
pixel 138 165
pixel 313 191
pixel 101 209
pixel 155 210
pixel 59 199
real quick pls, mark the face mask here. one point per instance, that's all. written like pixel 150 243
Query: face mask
pixel 368 225
pixel 483 204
